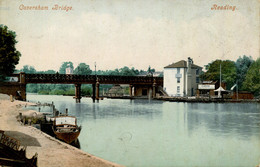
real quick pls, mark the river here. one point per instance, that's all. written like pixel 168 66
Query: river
pixel 157 133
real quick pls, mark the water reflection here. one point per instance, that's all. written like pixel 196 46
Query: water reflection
pixel 131 108
pixel 225 119
pixel 240 119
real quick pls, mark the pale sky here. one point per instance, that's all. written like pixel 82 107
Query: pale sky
pixel 138 33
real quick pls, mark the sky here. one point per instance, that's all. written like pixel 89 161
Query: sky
pixel 118 33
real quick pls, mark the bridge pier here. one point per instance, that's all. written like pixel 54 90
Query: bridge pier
pixel 130 90
pixel 93 92
pixel 77 92
pixel 21 93
pixel 97 90
pixel 154 90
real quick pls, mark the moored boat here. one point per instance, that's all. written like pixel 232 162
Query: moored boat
pixel 65 128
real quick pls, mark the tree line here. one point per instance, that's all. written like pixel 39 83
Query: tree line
pixel 245 72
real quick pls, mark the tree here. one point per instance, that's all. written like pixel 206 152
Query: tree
pixel 83 69
pixel 242 65
pixel 64 66
pixel 49 72
pixel 126 71
pixel 228 72
pixel 115 72
pixel 28 69
pixel 252 80
pixel 9 56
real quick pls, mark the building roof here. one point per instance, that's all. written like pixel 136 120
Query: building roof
pixel 181 64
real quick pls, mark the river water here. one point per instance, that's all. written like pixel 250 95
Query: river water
pixel 156 133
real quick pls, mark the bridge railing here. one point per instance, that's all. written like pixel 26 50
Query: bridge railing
pixel 91 79
pixel 59 78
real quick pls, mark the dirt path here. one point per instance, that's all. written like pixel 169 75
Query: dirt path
pixel 51 152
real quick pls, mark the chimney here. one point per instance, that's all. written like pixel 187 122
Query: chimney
pixel 190 62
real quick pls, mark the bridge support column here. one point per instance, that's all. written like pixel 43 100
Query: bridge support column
pixel 94 92
pixel 77 92
pixel 22 78
pixel 97 90
pixel 130 90
pixel 154 86
pixel 21 94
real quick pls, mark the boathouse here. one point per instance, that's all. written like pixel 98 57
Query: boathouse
pixel 208 88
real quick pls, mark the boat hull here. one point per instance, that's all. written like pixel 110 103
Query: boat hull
pixel 68 137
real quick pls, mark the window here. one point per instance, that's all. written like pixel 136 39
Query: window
pixel 197 79
pixel 197 71
pixel 178 70
pixel 178 80
pixel 178 89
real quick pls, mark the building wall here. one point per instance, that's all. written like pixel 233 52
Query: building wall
pixel 193 82
pixel 186 83
pixel 242 95
pixel 170 81
pixel 143 91
pixel 69 70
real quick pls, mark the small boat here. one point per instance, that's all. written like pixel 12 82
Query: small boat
pixel 65 128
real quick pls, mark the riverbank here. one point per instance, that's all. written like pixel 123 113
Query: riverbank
pixel 51 152
pixel 185 99
pixel 207 100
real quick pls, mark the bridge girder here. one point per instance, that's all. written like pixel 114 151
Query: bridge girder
pixel 91 79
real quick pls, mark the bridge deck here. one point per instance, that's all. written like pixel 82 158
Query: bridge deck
pixel 89 79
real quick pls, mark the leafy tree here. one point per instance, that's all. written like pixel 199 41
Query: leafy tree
pixel 83 69
pixel 252 80
pixel 242 65
pixel 64 66
pixel 126 71
pixel 135 71
pixel 115 72
pixel 33 88
pixel 28 69
pixel 228 71
pixel 9 56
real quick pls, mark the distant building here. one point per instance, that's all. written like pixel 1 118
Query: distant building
pixel 181 78
pixel 208 88
pixel 154 74
pixel 69 70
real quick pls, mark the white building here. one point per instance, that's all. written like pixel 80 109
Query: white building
pixel 69 70
pixel 181 78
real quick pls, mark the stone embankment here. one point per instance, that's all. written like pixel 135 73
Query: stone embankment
pixel 51 152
